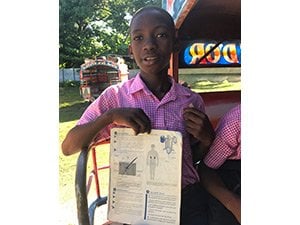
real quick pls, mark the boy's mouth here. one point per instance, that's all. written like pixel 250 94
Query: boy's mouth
pixel 152 58
pixel 149 60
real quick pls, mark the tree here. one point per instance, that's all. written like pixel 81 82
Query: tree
pixel 88 28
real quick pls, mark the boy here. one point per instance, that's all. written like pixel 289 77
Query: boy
pixel 152 99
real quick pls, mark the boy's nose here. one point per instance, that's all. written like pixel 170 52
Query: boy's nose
pixel 150 44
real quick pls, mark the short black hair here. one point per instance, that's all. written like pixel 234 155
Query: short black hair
pixel 168 17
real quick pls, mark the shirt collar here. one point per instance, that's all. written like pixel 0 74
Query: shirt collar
pixel 175 91
pixel 137 85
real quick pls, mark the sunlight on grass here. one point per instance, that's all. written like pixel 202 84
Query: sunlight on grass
pixel 69 96
pixel 71 108
pixel 67 165
pixel 67 169
pixel 64 128
pixel 67 104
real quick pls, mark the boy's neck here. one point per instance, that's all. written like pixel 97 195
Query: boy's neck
pixel 159 85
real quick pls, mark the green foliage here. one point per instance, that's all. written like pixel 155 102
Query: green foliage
pixel 88 28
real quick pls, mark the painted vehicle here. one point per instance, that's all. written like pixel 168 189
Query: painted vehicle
pixel 209 58
pixel 97 74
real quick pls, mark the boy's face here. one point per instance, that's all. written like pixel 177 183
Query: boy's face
pixel 151 41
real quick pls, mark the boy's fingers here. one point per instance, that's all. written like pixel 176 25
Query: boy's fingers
pixel 193 114
pixel 140 122
pixel 144 122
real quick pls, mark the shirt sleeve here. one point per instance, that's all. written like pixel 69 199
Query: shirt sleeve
pixel 103 103
pixel 226 143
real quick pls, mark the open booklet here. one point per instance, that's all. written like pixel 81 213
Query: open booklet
pixel 145 177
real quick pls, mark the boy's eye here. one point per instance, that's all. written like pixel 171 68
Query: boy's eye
pixel 161 35
pixel 138 38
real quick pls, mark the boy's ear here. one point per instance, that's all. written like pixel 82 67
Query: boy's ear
pixel 129 49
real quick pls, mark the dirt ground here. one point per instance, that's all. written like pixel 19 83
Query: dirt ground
pixel 68 214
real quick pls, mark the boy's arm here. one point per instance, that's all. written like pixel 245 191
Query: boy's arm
pixel 81 136
pixel 215 186
pixel 199 151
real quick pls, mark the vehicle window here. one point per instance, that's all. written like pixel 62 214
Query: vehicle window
pixel 209 66
pixel 211 79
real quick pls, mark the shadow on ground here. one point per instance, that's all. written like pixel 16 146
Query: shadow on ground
pixel 72 112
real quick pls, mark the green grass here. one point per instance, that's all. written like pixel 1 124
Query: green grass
pixel 71 107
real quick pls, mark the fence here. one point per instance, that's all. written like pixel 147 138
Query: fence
pixel 68 74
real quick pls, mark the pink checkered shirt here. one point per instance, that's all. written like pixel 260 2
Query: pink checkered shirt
pixel 227 144
pixel 164 114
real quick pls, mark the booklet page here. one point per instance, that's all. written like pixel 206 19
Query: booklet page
pixel 145 177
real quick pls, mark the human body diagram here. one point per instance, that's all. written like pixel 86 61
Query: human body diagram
pixel 152 161
pixel 153 156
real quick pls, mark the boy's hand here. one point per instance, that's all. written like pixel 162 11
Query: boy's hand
pixel 199 126
pixel 135 118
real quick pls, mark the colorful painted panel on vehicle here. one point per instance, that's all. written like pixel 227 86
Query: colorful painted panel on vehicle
pixel 199 53
pixel 178 9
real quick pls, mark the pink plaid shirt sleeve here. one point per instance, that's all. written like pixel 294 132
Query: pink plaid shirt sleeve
pixel 227 144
